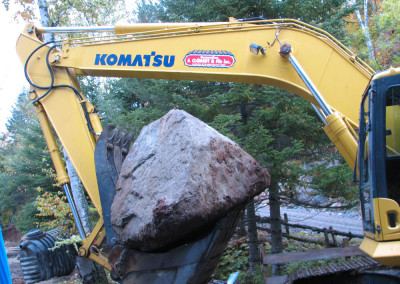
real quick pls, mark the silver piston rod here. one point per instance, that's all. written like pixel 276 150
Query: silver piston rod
pixel 319 114
pixel 74 211
pixel 285 51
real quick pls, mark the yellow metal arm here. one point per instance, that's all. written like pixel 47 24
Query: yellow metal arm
pixel 65 112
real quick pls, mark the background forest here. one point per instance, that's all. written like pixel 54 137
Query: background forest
pixel 277 128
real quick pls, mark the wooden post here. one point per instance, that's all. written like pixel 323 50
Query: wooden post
pixel 326 237
pixel 286 223
pixel 265 267
pixel 346 243
pixel 333 236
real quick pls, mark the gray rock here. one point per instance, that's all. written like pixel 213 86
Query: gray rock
pixel 179 176
pixel 318 200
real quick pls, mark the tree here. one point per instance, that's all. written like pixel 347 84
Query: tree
pixel 314 12
pixel 379 33
pixel 25 165
pixel 52 13
pixel 67 13
pixel 388 40
pixel 364 24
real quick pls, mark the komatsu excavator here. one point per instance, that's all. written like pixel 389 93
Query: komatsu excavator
pixel 285 53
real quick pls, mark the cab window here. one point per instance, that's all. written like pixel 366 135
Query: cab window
pixel 392 138
pixel 364 169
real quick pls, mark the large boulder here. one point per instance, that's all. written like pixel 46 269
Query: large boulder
pixel 179 176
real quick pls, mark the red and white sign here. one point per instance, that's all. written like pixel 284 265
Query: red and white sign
pixel 210 59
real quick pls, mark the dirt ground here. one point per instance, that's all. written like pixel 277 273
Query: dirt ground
pixel 13 262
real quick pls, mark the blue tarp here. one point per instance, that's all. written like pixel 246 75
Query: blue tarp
pixel 4 269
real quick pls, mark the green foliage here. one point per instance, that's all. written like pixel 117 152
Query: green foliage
pixel 133 103
pixel 74 240
pixel 146 12
pixel 276 134
pixel 55 212
pixel 25 163
pixel 203 11
pixel 25 217
pixel 329 15
pixel 81 12
pixel 227 124
pixel 334 179
pixel 246 277
pixel 388 37
pixel 27 179
pixel 384 31
pixel 235 258
pixel 387 20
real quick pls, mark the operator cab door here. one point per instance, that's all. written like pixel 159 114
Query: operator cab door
pixel 379 159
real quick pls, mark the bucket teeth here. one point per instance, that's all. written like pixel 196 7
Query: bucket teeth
pixel 112 147
pixel 118 147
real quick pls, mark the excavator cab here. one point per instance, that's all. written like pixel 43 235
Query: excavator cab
pixel 379 166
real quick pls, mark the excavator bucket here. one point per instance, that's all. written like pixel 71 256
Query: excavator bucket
pixel 192 263
pixel 111 150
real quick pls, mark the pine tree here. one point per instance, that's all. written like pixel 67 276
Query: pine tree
pixel 24 166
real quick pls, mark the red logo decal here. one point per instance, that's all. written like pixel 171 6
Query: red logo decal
pixel 209 59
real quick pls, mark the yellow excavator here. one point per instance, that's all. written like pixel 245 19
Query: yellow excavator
pixel 285 53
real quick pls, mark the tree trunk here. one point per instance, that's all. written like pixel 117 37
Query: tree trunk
pixel 276 229
pixel 45 19
pixel 364 24
pixel 254 252
pixel 241 227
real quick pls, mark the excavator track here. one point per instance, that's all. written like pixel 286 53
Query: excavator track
pixel 360 270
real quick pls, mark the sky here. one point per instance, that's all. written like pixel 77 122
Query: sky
pixel 12 79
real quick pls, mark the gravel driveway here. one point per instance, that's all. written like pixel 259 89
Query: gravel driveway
pixel 344 221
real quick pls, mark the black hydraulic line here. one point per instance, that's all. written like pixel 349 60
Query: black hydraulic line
pixel 52 86
pixel 51 76
pixel 27 61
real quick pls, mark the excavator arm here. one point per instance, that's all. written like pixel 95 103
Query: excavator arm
pixel 284 53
